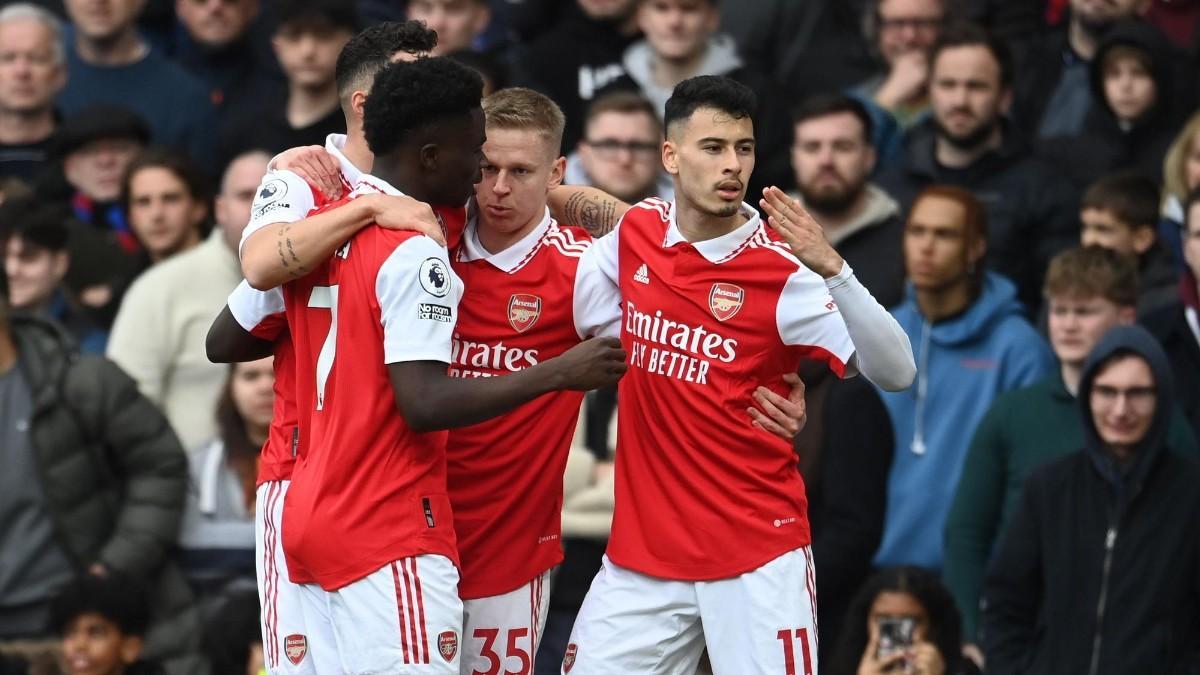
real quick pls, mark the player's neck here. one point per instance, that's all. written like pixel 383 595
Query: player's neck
pixel 495 241
pixel 404 178
pixel 122 49
pixel 26 127
pixel 308 105
pixel 356 149
pixel 940 303
pixel 696 225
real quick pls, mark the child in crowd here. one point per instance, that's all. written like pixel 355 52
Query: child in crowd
pixel 102 620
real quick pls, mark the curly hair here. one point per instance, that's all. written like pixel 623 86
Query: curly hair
pixel 945 625
pixel 411 96
pixel 117 597
pixel 709 91
pixel 372 50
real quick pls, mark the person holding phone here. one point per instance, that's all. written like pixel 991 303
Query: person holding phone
pixel 903 620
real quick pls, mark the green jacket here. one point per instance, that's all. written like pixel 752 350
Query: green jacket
pixel 1023 429
pixel 115 479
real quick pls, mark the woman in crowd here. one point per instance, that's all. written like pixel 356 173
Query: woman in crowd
pixel 902 621
pixel 1181 176
pixel 218 525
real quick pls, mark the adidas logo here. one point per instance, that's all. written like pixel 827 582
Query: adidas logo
pixel 642 275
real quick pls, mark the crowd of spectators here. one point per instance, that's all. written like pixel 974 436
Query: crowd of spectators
pixel 1018 181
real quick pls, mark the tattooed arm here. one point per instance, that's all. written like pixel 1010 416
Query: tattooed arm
pixel 590 208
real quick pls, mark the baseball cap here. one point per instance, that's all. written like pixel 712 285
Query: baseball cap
pixel 98 122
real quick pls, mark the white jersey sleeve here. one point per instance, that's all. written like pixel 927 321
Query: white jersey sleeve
pixel 597 296
pixel 282 197
pixel 252 308
pixel 883 352
pixel 418 298
pixel 807 316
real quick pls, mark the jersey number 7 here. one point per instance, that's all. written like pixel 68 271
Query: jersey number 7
pixel 325 297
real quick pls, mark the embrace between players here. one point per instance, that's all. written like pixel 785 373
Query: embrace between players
pixel 389 545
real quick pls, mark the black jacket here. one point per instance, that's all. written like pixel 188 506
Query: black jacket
pixel 1105 146
pixel 115 478
pixel 1099 572
pixel 1032 213
pixel 1171 327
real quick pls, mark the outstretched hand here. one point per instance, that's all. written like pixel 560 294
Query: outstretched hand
pixel 803 234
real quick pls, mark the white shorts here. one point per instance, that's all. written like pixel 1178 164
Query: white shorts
pixel 501 633
pixel 404 618
pixel 287 640
pixel 762 622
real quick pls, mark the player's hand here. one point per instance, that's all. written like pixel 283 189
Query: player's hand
pixel 594 363
pixel 803 234
pixel 315 165
pixel 784 417
pixel 405 213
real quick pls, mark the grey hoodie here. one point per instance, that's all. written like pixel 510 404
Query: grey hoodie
pixel 720 58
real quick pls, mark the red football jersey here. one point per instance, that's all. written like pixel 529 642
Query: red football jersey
pixel 261 313
pixel 505 474
pixel 369 490
pixel 700 493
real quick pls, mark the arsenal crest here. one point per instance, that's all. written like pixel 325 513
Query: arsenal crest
pixel 523 311
pixel 295 647
pixel 725 300
pixel 569 657
pixel 448 644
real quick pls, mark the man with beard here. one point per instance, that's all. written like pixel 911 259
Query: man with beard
pixel 832 157
pixel 1031 211
pixel 1054 95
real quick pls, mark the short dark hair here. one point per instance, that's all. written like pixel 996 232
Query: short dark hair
pixel 33 221
pixel 303 14
pixel 1091 272
pixel 1131 197
pixel 371 50
pixel 624 102
pixel 965 34
pixel 409 96
pixel 709 91
pixel 824 105
pixel 176 162
pixel 114 596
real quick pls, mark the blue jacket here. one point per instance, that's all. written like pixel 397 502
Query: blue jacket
pixel 963 363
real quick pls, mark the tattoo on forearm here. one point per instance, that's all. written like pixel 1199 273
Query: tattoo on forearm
pixel 287 254
pixel 597 216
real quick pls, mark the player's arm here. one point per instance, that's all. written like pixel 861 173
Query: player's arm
pixel 228 342
pixel 882 351
pixel 429 399
pixel 590 208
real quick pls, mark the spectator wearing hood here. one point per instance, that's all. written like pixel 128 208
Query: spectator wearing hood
pixel 1031 212
pixel 1178 327
pixel 1099 571
pixel 972 344
pixel 1134 116
pixel 1088 292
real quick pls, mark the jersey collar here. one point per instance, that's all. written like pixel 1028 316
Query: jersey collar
pixel 333 145
pixel 510 259
pixel 722 248
pixel 366 184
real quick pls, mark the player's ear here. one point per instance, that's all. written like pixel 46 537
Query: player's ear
pixel 556 174
pixel 670 158
pixel 429 157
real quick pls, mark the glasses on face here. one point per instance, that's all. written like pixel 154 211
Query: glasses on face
pixel 611 148
pixel 1140 398
pixel 913 23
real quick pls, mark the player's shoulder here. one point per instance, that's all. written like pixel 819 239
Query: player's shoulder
pixel 765 249
pixel 651 207
pixel 566 241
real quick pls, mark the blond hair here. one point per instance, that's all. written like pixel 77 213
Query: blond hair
pixel 518 108
pixel 1173 178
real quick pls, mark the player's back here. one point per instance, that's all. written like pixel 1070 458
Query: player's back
pixel 370 490
pixel 505 474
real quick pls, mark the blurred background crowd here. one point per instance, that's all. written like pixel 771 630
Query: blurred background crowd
pixel 1017 180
